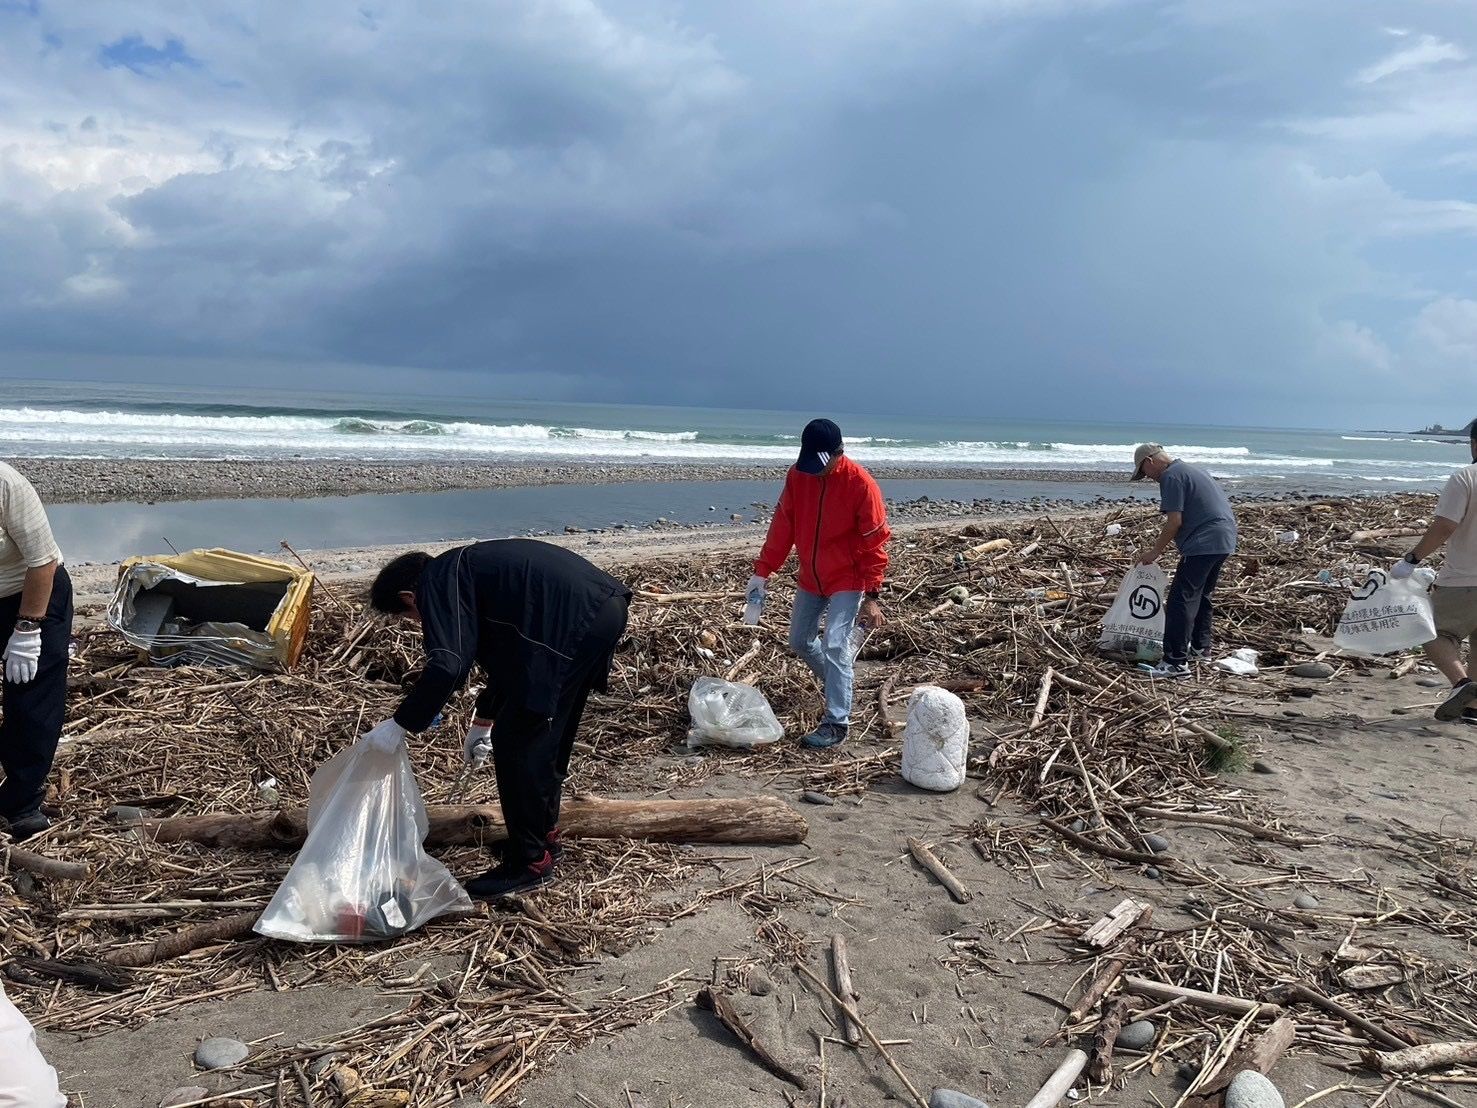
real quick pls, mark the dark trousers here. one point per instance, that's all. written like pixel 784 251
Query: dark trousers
pixel 32 722
pixel 530 752
pixel 1188 611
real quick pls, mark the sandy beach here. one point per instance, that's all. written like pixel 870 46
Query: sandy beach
pixel 72 480
pixel 971 996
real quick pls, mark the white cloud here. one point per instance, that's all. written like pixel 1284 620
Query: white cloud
pixel 1444 337
pixel 1428 51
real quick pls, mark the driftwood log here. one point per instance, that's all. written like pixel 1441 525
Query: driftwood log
pixel 43 866
pixel 760 819
pixel 223 930
pixel 1105 1040
pixel 1427 1056
pixel 1260 1053
pixel 1211 1002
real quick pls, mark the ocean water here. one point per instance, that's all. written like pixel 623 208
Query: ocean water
pixel 110 532
pixel 41 419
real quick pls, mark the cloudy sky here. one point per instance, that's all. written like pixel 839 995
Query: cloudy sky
pixel 1250 211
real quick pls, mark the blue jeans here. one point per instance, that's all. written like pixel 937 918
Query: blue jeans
pixel 827 655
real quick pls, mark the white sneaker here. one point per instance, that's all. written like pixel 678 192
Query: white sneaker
pixel 1166 671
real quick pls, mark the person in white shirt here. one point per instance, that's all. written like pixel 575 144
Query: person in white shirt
pixel 1454 598
pixel 36 627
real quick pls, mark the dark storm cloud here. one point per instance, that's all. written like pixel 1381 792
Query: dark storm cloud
pixel 1207 211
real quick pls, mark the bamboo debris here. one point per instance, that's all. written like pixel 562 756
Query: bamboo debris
pixel 929 861
pixel 1077 737
pixel 722 1007
pixel 841 965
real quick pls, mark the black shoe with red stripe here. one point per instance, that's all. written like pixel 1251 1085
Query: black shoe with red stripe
pixel 553 843
pixel 512 877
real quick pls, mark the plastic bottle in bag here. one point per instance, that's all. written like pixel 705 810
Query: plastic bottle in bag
pixel 854 643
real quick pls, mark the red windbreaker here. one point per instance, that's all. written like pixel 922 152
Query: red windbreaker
pixel 838 526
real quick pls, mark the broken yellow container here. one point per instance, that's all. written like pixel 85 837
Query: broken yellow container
pixel 214 606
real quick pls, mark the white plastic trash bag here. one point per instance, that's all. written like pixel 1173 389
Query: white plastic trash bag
pixel 27 1080
pixel 1387 615
pixel 362 874
pixel 725 713
pixel 1137 612
pixel 936 740
pixel 1241 662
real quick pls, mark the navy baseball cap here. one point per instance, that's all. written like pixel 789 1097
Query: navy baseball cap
pixel 819 443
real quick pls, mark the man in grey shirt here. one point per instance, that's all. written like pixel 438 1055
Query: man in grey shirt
pixel 1197 519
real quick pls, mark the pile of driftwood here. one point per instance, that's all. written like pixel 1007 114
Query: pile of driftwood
pixel 184 789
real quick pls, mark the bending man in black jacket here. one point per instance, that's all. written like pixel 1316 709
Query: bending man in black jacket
pixel 543 623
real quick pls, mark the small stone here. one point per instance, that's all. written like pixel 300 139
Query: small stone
pixel 319 1065
pixel 1249 1089
pixel 1157 844
pixel 220 1054
pixel 1431 683
pixel 1152 873
pixel 1263 767
pixel 124 813
pixel 1318 671
pixel 811 797
pixel 1305 901
pixel 948 1098
pixel 1079 826
pixel 184 1095
pixel 759 983
pixel 1137 1035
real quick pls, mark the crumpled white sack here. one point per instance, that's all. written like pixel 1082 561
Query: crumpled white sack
pixel 26 1079
pixel 936 740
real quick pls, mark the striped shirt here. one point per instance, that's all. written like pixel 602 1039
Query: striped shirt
pixel 25 536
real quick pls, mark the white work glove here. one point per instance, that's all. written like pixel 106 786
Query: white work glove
pixel 386 737
pixel 478 745
pixel 1402 569
pixel 22 656
pixel 756 588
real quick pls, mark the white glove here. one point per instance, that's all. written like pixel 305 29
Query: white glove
pixel 1402 569
pixel 22 656
pixel 478 745
pixel 386 737
pixel 756 588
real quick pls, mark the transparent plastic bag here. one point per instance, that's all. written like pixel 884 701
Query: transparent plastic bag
pixel 1137 613
pixel 936 740
pixel 725 713
pixel 1387 615
pixel 362 874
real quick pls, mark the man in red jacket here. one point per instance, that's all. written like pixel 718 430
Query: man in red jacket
pixel 831 514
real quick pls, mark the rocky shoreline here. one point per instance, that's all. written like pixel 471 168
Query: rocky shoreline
pixel 102 481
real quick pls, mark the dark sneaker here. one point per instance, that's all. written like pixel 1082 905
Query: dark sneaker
pixel 511 877
pixel 1198 655
pixel 1470 716
pixel 826 735
pixel 1460 698
pixel 23 827
pixel 1165 671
